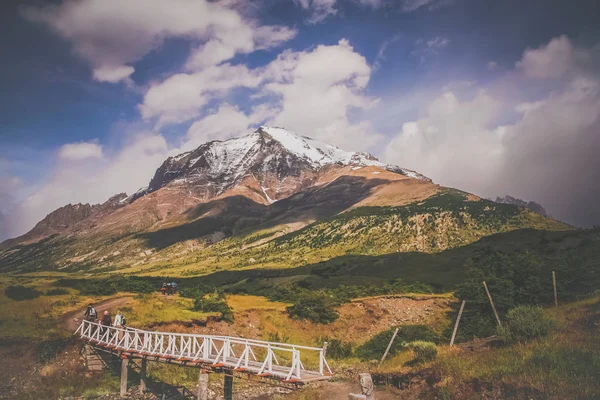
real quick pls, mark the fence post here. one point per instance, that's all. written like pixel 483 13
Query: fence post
pixel 124 369
pixel 554 284
pixel 143 374
pixel 228 385
pixel 321 362
pixel 462 306
pixel 492 303
pixel 389 346
pixel 203 385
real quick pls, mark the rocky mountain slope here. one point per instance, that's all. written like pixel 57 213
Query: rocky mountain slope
pixel 532 205
pixel 66 217
pixel 271 198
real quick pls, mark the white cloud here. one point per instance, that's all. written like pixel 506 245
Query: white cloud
pixel 492 65
pixel 372 3
pixel 9 185
pixel 325 83
pixel 94 179
pixel 238 39
pixel 429 48
pixel 320 9
pixel 111 74
pixel 181 97
pixel 382 50
pixel 548 154
pixel 80 151
pixel 437 43
pixel 112 34
pixel 318 89
pixel 450 140
pixel 414 5
pixel 550 61
pixel 226 122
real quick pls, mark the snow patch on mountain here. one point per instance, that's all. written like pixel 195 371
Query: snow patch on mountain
pixel 267 151
pixel 321 154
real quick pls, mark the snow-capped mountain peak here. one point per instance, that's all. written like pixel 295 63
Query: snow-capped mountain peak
pixel 270 154
pixel 321 153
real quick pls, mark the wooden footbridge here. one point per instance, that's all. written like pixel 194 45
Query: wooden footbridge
pixel 284 362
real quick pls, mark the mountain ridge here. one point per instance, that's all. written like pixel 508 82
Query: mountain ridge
pixel 233 198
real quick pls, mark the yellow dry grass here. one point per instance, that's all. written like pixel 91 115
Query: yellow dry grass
pixel 241 303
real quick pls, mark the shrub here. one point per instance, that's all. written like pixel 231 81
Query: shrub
pixel 524 323
pixel 423 351
pixel 198 291
pixel 375 347
pixel 19 293
pixel 57 292
pixel 315 308
pixel 336 349
pixel 214 303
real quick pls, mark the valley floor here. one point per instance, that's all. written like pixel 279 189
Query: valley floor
pixel 41 361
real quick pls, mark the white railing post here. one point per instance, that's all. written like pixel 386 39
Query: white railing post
pixel 270 355
pixel 232 352
pixel 321 362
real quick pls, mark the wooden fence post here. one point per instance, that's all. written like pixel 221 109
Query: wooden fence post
pixel 462 306
pixel 143 374
pixel 389 346
pixel 124 369
pixel 492 303
pixel 228 385
pixel 554 284
pixel 203 385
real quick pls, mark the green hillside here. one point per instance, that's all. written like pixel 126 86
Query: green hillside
pixel 243 237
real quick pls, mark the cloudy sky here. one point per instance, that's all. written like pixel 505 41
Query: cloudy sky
pixel 492 97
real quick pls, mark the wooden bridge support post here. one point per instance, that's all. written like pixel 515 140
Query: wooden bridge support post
pixel 143 375
pixel 228 385
pixel 203 385
pixel 124 369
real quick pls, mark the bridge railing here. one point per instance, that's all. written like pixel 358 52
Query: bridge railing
pixel 253 356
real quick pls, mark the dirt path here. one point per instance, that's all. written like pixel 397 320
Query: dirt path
pixel 71 320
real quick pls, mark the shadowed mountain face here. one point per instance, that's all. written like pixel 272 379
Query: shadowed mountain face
pixel 532 205
pixel 271 199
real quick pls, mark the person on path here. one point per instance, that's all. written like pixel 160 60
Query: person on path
pixel 106 321
pixel 90 313
pixel 119 322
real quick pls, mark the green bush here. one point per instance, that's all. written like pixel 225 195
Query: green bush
pixel 524 323
pixel 19 293
pixel 513 279
pixel 336 349
pixel 214 303
pixel 375 347
pixel 57 292
pixel 423 351
pixel 315 308
pixel 196 291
